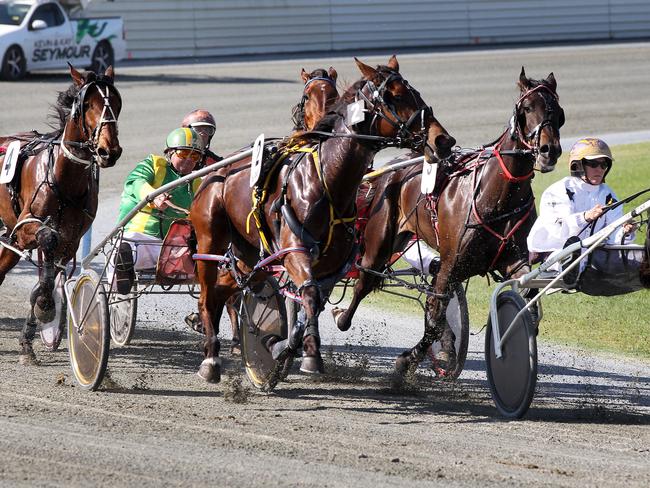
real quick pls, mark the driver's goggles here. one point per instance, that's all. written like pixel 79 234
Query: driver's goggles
pixel 205 130
pixel 188 154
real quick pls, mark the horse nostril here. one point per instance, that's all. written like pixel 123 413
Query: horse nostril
pixel 545 149
pixel 102 153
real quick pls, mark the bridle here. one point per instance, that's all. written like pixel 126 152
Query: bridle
pixel 104 85
pixel 374 97
pixel 531 140
pixel 299 109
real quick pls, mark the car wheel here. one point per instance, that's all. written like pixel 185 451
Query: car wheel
pixel 102 57
pixel 13 64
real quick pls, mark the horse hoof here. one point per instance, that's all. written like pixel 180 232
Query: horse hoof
pixel 210 370
pixel 44 314
pixel 337 313
pixel 446 361
pixel 28 359
pixel 312 365
pixel 403 363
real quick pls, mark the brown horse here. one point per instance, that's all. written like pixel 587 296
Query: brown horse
pixel 53 199
pixel 318 94
pixel 312 199
pixel 481 217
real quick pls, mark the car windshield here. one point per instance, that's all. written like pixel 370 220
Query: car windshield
pixel 13 13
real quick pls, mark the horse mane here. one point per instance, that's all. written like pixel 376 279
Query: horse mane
pixel 61 109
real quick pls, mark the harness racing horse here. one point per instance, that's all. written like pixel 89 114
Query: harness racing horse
pixel 478 220
pixel 318 95
pixel 312 198
pixel 53 199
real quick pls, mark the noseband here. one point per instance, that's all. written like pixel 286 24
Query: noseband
pixel 405 137
pixel 107 117
pixel 535 134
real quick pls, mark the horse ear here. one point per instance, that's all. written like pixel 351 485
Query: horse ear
pixel 304 75
pixel 77 77
pixel 332 73
pixel 550 79
pixel 393 64
pixel 367 71
pixel 524 83
pixel 110 72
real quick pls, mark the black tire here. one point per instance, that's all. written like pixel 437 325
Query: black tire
pixel 88 346
pixel 52 332
pixel 261 315
pixel 14 64
pixel 512 378
pixel 102 57
pixel 123 313
pixel 458 318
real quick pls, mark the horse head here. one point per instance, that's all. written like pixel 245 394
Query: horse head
pixel 319 93
pixel 399 112
pixel 95 111
pixel 537 119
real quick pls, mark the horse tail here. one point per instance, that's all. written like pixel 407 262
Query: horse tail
pixel 644 270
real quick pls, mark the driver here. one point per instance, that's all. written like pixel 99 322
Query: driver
pixel 569 206
pixel 203 123
pixel 184 150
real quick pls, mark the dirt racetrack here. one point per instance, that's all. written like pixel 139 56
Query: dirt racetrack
pixel 155 423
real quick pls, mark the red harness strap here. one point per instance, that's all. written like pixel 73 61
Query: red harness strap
pixel 504 239
pixel 506 172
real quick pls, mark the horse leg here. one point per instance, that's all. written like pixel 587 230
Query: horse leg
pixel 435 328
pixel 211 303
pixel 44 308
pixel 27 356
pixel 298 266
pixel 235 347
pixel 9 259
pixel 364 285
pixel 380 236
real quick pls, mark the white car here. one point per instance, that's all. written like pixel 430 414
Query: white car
pixel 37 34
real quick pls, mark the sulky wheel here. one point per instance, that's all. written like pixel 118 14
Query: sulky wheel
pixel 123 312
pixel 458 319
pixel 513 376
pixel 262 314
pixel 89 339
pixel 52 332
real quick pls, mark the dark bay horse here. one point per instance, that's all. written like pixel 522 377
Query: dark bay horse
pixel 481 217
pixel 312 197
pixel 53 198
